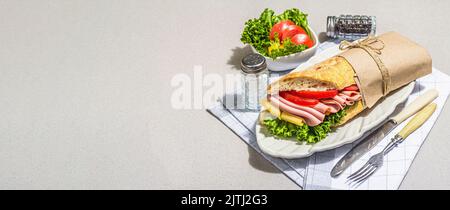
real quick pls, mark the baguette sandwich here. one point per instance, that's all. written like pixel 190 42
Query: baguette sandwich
pixel 308 104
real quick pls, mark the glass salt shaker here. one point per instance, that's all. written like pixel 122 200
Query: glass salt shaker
pixel 255 76
pixel 351 27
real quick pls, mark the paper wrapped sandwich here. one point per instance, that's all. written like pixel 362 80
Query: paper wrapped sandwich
pixel 308 104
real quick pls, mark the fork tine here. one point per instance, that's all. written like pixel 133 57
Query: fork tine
pixel 363 173
pixel 355 185
pixel 358 171
pixel 366 176
pixel 355 182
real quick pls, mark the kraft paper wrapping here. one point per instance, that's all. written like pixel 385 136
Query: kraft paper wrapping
pixel 404 60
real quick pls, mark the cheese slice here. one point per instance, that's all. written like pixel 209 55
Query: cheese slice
pixel 275 111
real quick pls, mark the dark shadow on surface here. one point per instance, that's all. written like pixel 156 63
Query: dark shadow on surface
pixel 417 88
pixel 238 54
pixel 258 162
pixel 255 159
pixel 323 37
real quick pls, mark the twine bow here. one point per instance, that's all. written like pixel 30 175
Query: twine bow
pixel 373 47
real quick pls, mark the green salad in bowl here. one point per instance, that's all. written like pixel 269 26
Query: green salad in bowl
pixel 286 40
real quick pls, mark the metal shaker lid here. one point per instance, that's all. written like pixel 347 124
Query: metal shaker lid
pixel 253 63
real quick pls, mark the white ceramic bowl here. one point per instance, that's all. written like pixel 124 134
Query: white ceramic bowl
pixel 291 61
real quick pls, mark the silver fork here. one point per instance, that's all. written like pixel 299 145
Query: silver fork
pixel 376 161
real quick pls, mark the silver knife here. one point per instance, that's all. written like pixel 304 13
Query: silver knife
pixel 378 134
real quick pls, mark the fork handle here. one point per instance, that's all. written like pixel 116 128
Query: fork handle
pixel 392 144
pixel 412 125
pixel 417 120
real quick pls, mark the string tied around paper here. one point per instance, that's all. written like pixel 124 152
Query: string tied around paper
pixel 373 47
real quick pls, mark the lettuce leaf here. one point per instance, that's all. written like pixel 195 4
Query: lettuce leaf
pixel 256 31
pixel 304 133
pixel 288 48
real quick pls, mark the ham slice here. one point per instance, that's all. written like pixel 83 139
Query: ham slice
pixel 350 93
pixel 332 105
pixel 340 100
pixel 315 115
pixel 350 100
pixel 310 119
pixel 346 99
pixel 322 108
pixel 319 115
pixel 354 96
pixel 328 108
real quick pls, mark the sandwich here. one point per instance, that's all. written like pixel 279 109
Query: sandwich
pixel 308 104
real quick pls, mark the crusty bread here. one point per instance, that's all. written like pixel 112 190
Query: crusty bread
pixel 352 111
pixel 333 73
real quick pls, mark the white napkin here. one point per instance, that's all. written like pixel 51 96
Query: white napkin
pixel 396 163
pixel 243 125
pixel 314 172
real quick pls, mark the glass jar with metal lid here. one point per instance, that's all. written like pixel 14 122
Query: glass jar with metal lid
pixel 350 27
pixel 255 78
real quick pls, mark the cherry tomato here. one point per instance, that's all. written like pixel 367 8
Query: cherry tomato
pixel 298 100
pixel 302 38
pixel 351 88
pixel 315 94
pixel 279 28
pixel 291 31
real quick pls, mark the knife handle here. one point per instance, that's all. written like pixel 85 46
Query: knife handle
pixel 417 120
pixel 416 105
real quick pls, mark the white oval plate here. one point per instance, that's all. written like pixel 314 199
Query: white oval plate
pixel 345 134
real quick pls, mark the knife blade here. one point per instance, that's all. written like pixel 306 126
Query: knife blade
pixel 378 134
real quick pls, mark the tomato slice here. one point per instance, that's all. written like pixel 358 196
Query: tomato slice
pixel 351 88
pixel 316 94
pixel 288 95
pixel 302 38
pixel 279 28
pixel 291 31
